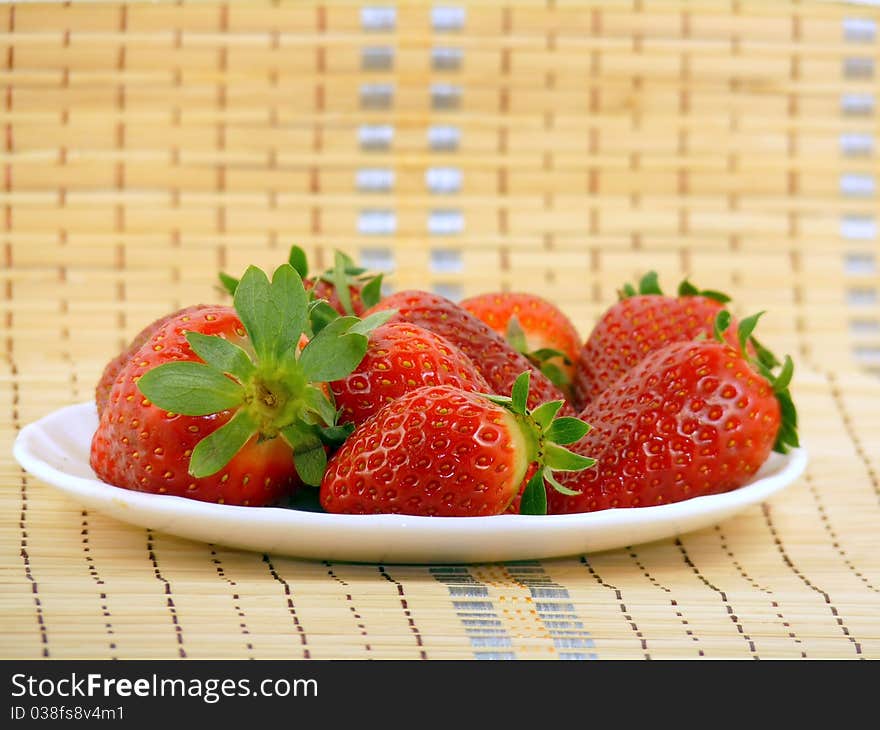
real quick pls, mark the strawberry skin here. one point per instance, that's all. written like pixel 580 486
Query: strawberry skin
pixel 496 360
pixel 142 447
pixel 544 325
pixel 634 327
pixel 689 419
pixel 401 357
pixel 435 451
pixel 115 366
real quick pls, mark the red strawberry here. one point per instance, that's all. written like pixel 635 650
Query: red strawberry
pixel 402 357
pixel 690 419
pixel 114 367
pixel 439 450
pixel 142 447
pixel 533 326
pixel 348 289
pixel 222 404
pixel 641 322
pixel 496 360
pixel 515 507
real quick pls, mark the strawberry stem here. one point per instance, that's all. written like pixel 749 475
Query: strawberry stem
pixel 516 337
pixel 545 434
pixel 343 275
pixel 649 284
pixel 764 362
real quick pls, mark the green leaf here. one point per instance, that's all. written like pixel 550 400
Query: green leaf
pixel 555 375
pixel 217 449
pixel 501 400
pixel 628 291
pixel 311 464
pixel 717 296
pixel 783 380
pixel 515 335
pixel 544 414
pixel 371 292
pixel 534 496
pixel 765 357
pixel 787 435
pixel 554 482
pixel 567 430
pixel 519 395
pixel 229 283
pixel 369 323
pixel 745 329
pixel 221 354
pixel 299 261
pixel 335 436
pixel 722 322
pixel 558 458
pixel 340 281
pixel 318 403
pixel 650 284
pixel 334 352
pixel 686 289
pixel 190 388
pixel 320 315
pixel 546 353
pixel 309 456
pixel 275 314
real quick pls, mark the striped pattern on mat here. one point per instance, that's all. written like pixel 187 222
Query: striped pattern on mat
pixel 559 147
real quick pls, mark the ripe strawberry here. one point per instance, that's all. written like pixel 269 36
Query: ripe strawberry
pixel 114 367
pixel 515 507
pixel 533 326
pixel 222 404
pixel 644 321
pixel 496 360
pixel 402 357
pixel 348 289
pixel 439 450
pixel 690 419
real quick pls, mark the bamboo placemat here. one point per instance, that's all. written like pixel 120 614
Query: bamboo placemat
pixel 558 147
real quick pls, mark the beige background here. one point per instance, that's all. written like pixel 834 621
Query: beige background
pixel 147 145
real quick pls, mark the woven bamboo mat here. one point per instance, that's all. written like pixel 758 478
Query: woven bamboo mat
pixel 559 147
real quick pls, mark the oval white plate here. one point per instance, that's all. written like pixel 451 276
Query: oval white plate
pixel 56 450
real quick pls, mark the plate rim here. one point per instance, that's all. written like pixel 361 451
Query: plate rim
pixel 34 434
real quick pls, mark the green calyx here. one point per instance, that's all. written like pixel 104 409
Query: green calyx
pixel 541 358
pixel 344 274
pixel 650 284
pixel 546 435
pixel 271 385
pixel 765 362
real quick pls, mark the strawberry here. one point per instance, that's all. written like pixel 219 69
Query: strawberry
pixel 401 357
pixel 439 450
pixel 348 289
pixel 493 356
pixel 533 326
pixel 222 404
pixel 515 507
pixel 691 418
pixel 114 367
pixel 643 321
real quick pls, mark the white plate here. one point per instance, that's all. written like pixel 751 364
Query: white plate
pixel 56 450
